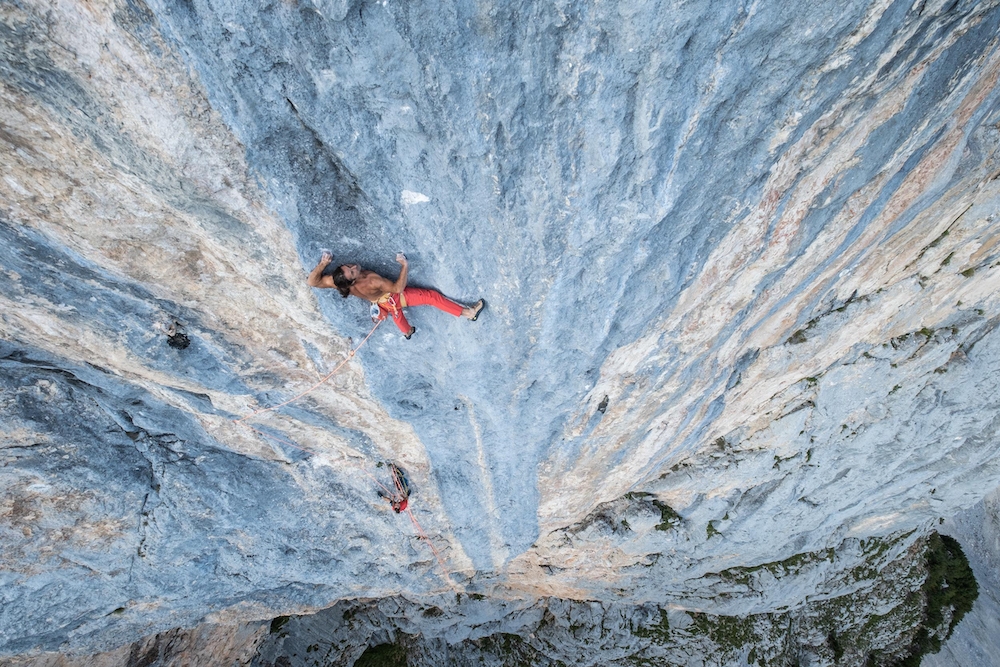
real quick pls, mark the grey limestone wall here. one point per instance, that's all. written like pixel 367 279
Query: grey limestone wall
pixel 740 262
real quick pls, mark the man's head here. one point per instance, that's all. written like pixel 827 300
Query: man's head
pixel 344 276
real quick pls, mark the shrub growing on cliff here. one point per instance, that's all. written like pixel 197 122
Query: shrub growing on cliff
pixel 950 585
pixel 383 655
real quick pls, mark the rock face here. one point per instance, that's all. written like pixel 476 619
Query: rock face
pixel 877 622
pixel 976 640
pixel 205 646
pixel 741 265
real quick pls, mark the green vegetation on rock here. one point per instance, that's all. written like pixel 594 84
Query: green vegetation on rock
pixel 278 623
pixel 778 569
pixel 728 632
pixel 668 517
pixel 383 655
pixel 659 633
pixel 950 587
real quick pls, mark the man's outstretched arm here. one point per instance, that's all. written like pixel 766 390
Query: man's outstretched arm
pixel 316 276
pixel 400 283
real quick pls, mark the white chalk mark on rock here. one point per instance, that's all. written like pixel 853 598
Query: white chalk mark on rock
pixel 410 198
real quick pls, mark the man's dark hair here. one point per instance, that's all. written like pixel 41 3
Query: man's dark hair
pixel 342 283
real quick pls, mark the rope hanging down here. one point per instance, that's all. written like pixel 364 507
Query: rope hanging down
pixel 398 489
pixel 243 420
pixel 329 375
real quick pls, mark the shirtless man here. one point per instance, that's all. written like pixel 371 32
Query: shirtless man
pixel 390 297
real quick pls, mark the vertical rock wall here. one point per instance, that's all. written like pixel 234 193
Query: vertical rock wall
pixel 741 266
pixel 132 502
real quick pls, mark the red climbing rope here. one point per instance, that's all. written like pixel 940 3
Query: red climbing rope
pixel 315 386
pixel 420 532
pixel 422 535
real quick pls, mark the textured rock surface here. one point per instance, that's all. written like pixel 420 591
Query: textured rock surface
pixel 871 624
pixel 976 640
pixel 762 236
pixel 205 646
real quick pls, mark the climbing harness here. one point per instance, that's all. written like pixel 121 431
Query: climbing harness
pixel 387 304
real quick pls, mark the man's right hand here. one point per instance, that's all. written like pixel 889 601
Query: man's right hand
pixel 401 258
pixel 316 277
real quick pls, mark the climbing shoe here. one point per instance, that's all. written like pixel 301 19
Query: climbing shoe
pixel 478 307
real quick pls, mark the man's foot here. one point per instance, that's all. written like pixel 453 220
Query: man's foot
pixel 413 330
pixel 472 312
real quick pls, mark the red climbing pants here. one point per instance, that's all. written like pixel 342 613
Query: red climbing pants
pixel 415 296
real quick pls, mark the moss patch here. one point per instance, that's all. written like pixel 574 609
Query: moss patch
pixel 797 338
pixel 742 575
pixel 728 632
pixel 511 649
pixel 278 623
pixel 668 517
pixel 383 655
pixel 659 632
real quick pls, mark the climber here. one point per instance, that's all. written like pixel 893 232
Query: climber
pixel 389 298
pixel 399 496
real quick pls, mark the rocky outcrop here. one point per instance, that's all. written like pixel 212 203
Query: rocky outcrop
pixel 976 640
pixel 741 267
pixel 887 609
pixel 204 646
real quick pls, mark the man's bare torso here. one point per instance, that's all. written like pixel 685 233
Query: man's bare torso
pixel 370 286
pixel 364 284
